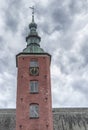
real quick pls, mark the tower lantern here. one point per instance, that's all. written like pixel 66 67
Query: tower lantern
pixel 34 106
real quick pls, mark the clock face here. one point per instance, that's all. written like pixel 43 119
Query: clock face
pixel 34 71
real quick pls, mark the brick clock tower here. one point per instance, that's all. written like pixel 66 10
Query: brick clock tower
pixel 34 106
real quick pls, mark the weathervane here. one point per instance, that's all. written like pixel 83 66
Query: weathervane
pixel 32 13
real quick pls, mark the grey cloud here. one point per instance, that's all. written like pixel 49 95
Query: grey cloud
pixel 70 63
pixel 1 39
pixel 25 32
pixel 15 3
pixel 7 65
pixel 60 15
pixel 56 17
pixel 81 85
pixel 78 6
pixel 45 28
pixel 3 104
pixel 67 41
pixel 84 51
pixel 12 15
pixel 7 90
pixel 2 43
pixel 11 23
pixel 7 59
pixel 61 19
pixel 3 64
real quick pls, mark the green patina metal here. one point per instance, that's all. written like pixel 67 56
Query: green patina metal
pixel 33 39
pixel 34 48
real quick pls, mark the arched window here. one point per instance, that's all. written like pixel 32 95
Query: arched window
pixel 34 86
pixel 34 110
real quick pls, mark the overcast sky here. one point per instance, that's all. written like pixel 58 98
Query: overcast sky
pixel 63 27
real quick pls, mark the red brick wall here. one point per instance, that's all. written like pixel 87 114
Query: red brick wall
pixel 25 98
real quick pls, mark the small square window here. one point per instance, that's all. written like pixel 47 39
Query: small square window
pixel 34 86
pixel 34 64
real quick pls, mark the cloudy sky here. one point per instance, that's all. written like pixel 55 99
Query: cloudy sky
pixel 63 27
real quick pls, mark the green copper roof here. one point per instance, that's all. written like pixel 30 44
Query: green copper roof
pixel 33 39
pixel 33 49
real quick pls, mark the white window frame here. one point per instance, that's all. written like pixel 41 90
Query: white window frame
pixel 34 86
pixel 34 110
